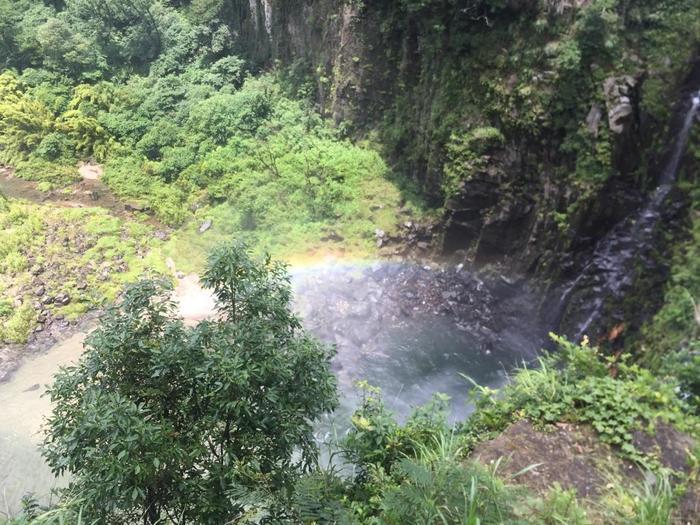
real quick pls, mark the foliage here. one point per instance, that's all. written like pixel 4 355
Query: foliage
pixel 85 253
pixel 174 144
pixel 648 502
pixel 576 384
pixel 670 341
pixel 54 173
pixel 23 121
pixel 441 490
pixel 18 325
pixel 560 507
pixel 67 512
pixel 193 424
pixel 426 483
pixel 467 154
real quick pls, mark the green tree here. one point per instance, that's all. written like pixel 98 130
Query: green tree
pixel 194 425
pixel 66 51
pixel 127 31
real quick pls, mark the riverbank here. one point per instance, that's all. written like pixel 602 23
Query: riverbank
pixel 408 328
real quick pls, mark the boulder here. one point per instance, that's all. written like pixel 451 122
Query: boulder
pixel 62 299
pixel 333 236
pixel 135 206
pixel 380 235
pixel 206 225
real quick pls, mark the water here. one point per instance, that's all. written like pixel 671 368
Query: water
pixel 609 269
pixel 22 470
pixel 388 334
pixel 403 328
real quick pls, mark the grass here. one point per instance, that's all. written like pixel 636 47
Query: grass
pixel 84 252
pixel 287 240
pixel 48 174
pixel 648 502
pixel 557 507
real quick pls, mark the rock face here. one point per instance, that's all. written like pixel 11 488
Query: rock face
pixel 404 68
pixel 619 97
pixel 593 119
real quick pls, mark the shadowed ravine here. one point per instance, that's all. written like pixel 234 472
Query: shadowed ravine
pixel 407 329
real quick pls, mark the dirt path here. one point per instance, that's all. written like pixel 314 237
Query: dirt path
pixel 90 171
pixel 90 192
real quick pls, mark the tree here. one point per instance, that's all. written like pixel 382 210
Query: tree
pixel 18 22
pixel 194 425
pixel 24 122
pixel 126 31
pixel 66 51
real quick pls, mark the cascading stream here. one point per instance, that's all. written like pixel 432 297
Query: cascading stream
pixel 609 266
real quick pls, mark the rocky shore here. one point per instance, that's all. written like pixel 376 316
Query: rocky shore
pixel 53 332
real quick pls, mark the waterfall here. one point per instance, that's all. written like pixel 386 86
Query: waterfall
pixel 608 268
pixel 669 174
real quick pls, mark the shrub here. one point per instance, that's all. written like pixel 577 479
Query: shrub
pixel 576 384
pixel 19 324
pixel 57 174
pixel 197 424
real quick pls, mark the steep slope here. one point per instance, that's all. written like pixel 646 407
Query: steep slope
pixel 536 126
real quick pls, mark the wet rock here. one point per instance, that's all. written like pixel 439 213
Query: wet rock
pixel 361 310
pixel 205 226
pixel 62 299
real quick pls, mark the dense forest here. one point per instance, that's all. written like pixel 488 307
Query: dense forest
pixel 550 146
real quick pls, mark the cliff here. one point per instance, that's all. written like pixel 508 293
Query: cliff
pixel 536 127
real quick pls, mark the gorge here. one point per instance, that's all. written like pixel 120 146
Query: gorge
pixel 451 183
